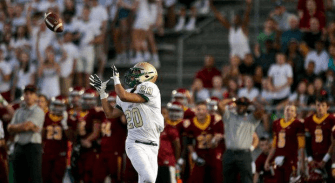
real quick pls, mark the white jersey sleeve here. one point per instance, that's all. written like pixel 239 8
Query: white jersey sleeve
pixel 144 120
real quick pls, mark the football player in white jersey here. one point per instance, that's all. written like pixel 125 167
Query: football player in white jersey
pixel 142 106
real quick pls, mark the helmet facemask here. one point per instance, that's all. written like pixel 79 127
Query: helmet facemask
pixel 135 76
pixel 176 114
pixel 57 108
pixel 88 102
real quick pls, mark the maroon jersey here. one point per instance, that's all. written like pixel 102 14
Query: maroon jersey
pixel 54 139
pixel 286 137
pixel 188 113
pixel 113 136
pixel 218 127
pixel 320 130
pixel 86 123
pixel 202 132
pixel 166 152
pixel 260 162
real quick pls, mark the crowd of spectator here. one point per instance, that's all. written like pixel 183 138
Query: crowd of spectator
pixel 292 60
pixel 32 54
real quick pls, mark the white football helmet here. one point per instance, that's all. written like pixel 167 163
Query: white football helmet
pixel 140 73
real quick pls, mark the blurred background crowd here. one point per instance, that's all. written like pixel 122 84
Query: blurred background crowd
pixel 290 59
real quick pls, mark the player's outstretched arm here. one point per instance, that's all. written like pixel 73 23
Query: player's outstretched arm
pixel 100 86
pixel 122 93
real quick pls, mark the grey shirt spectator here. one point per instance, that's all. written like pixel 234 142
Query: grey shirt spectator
pixel 239 129
pixel 33 114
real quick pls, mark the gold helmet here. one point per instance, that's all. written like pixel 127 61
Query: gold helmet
pixel 140 73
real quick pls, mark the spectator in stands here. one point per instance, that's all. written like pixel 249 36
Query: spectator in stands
pixel 331 62
pixel 45 5
pixel 281 16
pixel 238 31
pixel 313 35
pixel 312 12
pixel 248 66
pixel 311 97
pixel 143 21
pixel 43 37
pixel 295 59
pixel 320 55
pixel 198 92
pixel 249 91
pixel 67 64
pixel 266 95
pixel 99 15
pixel 24 75
pixel 269 33
pixel 232 89
pixel 258 77
pixel 5 73
pixel 319 88
pixel 69 8
pixel 330 33
pixel 21 38
pixel 207 73
pixel 190 26
pixel 43 102
pixel 122 29
pixel 232 71
pixel 171 15
pixel 301 6
pixel 217 90
pixel 267 58
pixel 308 75
pixel 298 97
pixel 89 34
pixel 293 32
pixel 19 19
pixel 49 72
pixel 281 77
pixel 156 23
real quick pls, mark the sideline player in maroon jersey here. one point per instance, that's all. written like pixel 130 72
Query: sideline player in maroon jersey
pixel 333 153
pixel 175 119
pixel 318 129
pixel 55 136
pixel 183 96
pixel 3 156
pixel 88 130
pixel 201 130
pixel 113 137
pixel 168 153
pixel 288 142
pixel 261 174
pixel 218 140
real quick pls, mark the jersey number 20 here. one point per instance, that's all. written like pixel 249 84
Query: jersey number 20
pixel 134 118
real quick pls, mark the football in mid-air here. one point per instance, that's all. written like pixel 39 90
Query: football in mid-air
pixel 53 22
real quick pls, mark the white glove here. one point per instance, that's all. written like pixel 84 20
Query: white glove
pixel 199 161
pixel 64 121
pixel 116 75
pixel 279 160
pixel 100 86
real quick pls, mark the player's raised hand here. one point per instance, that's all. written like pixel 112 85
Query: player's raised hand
pixel 100 86
pixel 116 75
